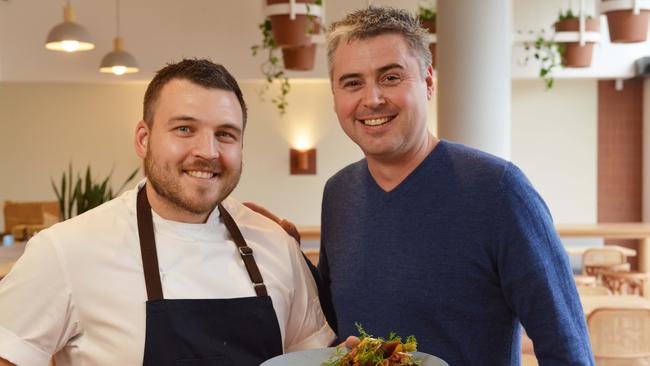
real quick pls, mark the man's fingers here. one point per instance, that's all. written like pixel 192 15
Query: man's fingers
pixel 262 211
pixel 351 342
pixel 288 226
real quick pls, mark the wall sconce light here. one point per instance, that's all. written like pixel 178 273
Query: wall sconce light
pixel 302 161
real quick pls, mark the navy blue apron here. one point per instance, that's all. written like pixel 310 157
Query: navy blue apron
pixel 205 332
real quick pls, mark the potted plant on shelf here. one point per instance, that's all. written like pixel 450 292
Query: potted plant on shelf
pixel 289 32
pixel 293 37
pixel 552 54
pixel 573 54
pixel 427 16
pixel 626 26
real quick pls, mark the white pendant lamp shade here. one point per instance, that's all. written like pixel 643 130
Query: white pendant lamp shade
pixel 69 36
pixel 119 61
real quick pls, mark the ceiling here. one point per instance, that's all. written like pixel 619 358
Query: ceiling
pixel 154 31
pixel 161 31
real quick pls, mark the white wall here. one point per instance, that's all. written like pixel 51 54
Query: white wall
pixel 45 125
pixel 554 140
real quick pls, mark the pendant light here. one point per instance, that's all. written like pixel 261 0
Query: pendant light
pixel 119 61
pixel 69 36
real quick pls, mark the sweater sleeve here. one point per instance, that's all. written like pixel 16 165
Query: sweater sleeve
pixel 536 277
pixel 323 271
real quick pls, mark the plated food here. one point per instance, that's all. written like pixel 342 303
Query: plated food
pixel 376 351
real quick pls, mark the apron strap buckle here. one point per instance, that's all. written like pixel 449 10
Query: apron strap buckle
pixel 245 250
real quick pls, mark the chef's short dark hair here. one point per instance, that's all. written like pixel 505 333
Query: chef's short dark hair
pixel 199 71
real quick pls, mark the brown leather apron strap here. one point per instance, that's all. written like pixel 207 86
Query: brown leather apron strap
pixel 148 247
pixel 245 251
pixel 150 256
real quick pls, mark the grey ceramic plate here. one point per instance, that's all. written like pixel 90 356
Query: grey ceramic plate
pixel 314 357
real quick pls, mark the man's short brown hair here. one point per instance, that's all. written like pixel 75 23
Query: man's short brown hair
pixel 199 71
pixel 375 21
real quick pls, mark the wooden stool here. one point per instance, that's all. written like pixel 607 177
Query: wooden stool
pixel 626 283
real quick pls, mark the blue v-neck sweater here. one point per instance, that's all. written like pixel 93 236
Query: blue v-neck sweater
pixel 458 254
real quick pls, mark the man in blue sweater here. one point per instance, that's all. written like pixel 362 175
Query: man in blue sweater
pixel 429 237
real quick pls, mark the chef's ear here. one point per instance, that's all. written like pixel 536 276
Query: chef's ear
pixel 142 132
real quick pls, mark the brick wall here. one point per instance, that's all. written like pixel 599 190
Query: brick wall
pixel 620 144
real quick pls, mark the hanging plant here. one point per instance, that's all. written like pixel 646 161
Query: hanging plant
pixel 574 54
pixel 427 16
pixel 298 52
pixel 289 32
pixel 552 54
pixel 626 26
pixel 271 67
pixel 545 51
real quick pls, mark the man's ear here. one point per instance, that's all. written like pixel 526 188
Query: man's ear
pixel 142 133
pixel 429 80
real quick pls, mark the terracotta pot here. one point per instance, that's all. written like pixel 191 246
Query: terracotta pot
pixel 574 54
pixel 299 58
pixel 432 48
pixel 291 33
pixel 430 25
pixel 626 27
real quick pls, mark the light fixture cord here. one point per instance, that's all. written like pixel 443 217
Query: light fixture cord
pixel 117 11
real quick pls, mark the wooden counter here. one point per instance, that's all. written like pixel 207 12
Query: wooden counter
pixel 623 230
pixel 634 230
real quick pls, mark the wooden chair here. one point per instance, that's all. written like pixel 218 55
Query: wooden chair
pixel 626 283
pixel 313 255
pixel 593 290
pixel 620 336
pixel 598 260
pixel 25 218
pixel 584 280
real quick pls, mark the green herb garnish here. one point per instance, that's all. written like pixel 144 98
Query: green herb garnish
pixel 372 351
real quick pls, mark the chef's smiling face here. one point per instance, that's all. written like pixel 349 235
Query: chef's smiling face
pixel 193 149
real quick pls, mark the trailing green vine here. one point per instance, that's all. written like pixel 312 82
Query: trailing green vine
pixel 272 68
pixel 545 50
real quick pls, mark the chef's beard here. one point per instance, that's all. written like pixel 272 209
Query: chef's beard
pixel 165 179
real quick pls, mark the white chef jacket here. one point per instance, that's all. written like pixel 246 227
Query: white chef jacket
pixel 79 292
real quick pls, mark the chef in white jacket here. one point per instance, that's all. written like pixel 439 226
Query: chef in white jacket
pixel 173 272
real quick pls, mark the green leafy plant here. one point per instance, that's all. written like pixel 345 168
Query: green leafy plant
pixel 84 194
pixel 547 51
pixel 426 12
pixel 272 68
pixel 312 19
pixel 566 15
